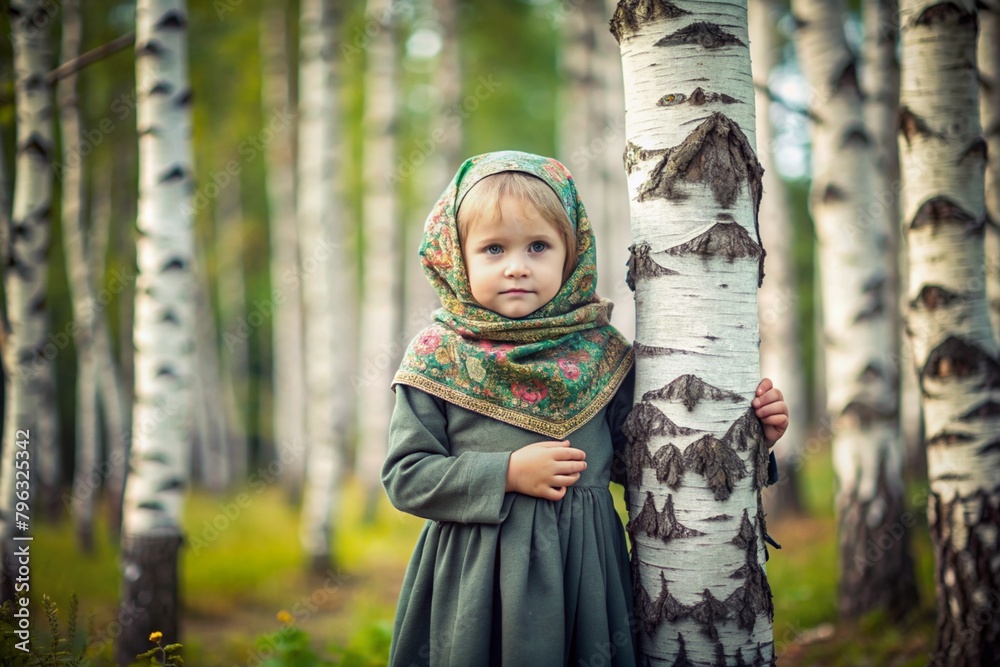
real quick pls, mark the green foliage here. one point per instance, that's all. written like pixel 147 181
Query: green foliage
pixel 168 656
pixel 291 646
pixel 62 650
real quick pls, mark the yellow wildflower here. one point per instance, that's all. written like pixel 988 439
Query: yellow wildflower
pixel 155 636
pixel 284 617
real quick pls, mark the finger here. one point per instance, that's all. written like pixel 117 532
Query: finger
pixel 564 480
pixel 554 443
pixel 569 467
pixel 764 385
pixel 772 409
pixel 777 421
pixel 772 395
pixel 554 493
pixel 569 454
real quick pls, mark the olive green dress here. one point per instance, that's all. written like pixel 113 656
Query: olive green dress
pixel 502 578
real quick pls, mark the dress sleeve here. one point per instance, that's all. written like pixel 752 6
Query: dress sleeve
pixel 421 476
pixel 618 409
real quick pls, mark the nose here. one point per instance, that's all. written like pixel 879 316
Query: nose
pixel 516 267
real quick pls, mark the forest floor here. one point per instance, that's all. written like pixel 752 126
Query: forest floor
pixel 242 565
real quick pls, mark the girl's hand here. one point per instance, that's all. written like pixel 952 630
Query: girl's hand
pixel 772 411
pixel 545 469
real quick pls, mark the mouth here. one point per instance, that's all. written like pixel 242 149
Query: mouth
pixel 516 291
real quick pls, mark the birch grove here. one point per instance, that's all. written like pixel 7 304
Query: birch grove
pixel 942 160
pixel 989 110
pixel 164 331
pixel 697 458
pixel 861 378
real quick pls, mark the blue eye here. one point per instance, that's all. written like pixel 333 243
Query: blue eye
pixel 538 246
pixel 490 248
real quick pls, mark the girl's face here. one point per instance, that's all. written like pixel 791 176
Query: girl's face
pixel 515 263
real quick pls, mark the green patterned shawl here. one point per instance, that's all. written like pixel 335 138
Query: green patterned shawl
pixel 548 372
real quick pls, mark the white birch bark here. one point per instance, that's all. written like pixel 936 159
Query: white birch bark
pixel 862 381
pixel 697 457
pixel 380 309
pixel 781 356
pixel 71 204
pixel 942 159
pixel 289 393
pixel 33 352
pixel 321 252
pixel 238 327
pixel 164 330
pixel 989 111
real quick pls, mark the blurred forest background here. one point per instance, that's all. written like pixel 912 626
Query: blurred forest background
pixel 244 561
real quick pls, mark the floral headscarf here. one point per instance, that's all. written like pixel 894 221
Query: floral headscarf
pixel 549 372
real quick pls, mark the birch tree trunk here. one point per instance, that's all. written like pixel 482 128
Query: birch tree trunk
pixel 380 309
pixel 71 205
pixel 876 570
pixel 321 252
pixel 942 158
pixel 989 110
pixel 30 413
pixel 164 331
pixel 781 356
pixel 697 458
pixel 289 397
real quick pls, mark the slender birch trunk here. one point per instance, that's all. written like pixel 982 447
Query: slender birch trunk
pixel 697 457
pixel 84 305
pixel 781 357
pixel 321 252
pixel 862 381
pixel 164 332
pixel 381 324
pixel 30 400
pixel 238 327
pixel 989 110
pixel 289 397
pixel 942 158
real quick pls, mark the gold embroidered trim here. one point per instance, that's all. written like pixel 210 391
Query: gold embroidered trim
pixel 557 430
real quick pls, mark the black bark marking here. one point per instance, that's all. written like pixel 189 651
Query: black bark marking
pixel 745 536
pixel 175 173
pixel 184 98
pixel 939 211
pixel 833 193
pixel 703 34
pixel 707 612
pixel 171 20
pixel 161 88
pixel 874 299
pixel 855 136
pixel 151 48
pixel 717 462
pixel 744 432
pixel 653 351
pixel 719 517
pixel 682 657
pixel 698 97
pixel 153 505
pixel 727 240
pixel 985 410
pixel 959 359
pixel 634 155
pixel 662 524
pixel 717 153
pixel 174 484
pixel 665 606
pixel 945 12
pixel 988 449
pixel 37 147
pixel 166 371
pixel 932 297
pixel 864 415
pixel 758 658
pixel 848 79
pixel 155 457
pixel 170 316
pixel 630 14
pixel 690 389
pixel 948 438
pixel 720 656
pixel 669 465
pixel 872 373
pixel 910 124
pixel 976 150
pixel 646 420
pixel 641 265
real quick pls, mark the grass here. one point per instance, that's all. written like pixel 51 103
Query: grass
pixel 243 564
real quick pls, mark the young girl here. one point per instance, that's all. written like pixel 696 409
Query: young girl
pixel 509 410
